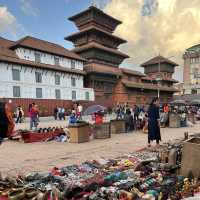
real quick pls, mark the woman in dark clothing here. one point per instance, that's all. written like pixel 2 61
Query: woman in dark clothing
pixel 129 122
pixel 153 122
pixel 3 122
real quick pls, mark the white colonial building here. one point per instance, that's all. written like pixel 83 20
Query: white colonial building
pixel 35 69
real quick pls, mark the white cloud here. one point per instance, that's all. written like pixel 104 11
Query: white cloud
pixel 9 24
pixel 166 26
pixel 28 8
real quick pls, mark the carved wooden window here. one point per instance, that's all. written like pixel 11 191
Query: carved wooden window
pixel 15 75
pixel 37 57
pixel 73 95
pixel 38 77
pixel 16 91
pixel 87 96
pixel 38 93
pixel 56 60
pixel 57 79
pixel 58 94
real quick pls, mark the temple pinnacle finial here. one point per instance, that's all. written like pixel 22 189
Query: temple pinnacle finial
pixel 93 3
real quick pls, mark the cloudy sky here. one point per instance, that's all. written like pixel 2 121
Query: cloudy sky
pixel 151 27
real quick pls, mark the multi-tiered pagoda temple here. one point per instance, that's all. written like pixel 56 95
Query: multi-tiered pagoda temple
pixel 95 42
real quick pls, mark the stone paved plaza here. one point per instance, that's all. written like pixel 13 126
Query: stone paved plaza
pixel 18 157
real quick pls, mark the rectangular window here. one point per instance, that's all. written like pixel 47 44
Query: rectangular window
pixel 73 63
pixel 57 79
pixel 38 93
pixel 73 82
pixel 38 77
pixel 15 75
pixel 57 94
pixel 73 95
pixel 56 61
pixel 16 91
pixel 87 96
pixel 37 57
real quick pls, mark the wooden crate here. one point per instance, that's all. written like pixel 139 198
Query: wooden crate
pixel 102 131
pixel 79 133
pixel 117 126
pixel 191 158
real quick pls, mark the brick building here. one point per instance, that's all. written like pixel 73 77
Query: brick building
pixel 191 75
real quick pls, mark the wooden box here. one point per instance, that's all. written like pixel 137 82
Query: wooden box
pixel 102 131
pixel 117 126
pixel 79 132
pixel 191 158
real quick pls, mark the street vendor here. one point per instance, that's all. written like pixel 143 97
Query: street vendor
pixel 6 122
pixel 154 122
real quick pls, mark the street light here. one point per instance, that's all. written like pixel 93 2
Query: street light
pixel 159 75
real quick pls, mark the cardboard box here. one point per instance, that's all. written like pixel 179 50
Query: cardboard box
pixel 79 133
pixel 191 158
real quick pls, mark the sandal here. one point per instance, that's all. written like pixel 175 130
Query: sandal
pixel 16 195
pixel 31 192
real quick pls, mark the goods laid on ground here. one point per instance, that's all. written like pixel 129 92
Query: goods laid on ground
pixel 42 134
pixel 147 174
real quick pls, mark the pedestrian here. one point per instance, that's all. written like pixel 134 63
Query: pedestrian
pixel 154 122
pixel 63 113
pixel 33 116
pixel 20 115
pixel 79 111
pixel 119 111
pixel 60 113
pixel 6 122
pixel 129 122
pixel 3 122
pixel 55 112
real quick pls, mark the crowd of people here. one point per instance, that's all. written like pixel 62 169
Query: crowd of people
pixel 134 117
pixel 149 119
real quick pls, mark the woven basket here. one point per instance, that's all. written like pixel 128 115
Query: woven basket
pixel 102 131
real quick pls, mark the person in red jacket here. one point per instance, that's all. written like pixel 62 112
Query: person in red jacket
pixel 98 117
pixel 33 116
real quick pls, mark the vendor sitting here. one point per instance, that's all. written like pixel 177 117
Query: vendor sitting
pixel 98 117
pixel 73 119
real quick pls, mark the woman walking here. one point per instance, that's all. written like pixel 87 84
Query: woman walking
pixel 154 122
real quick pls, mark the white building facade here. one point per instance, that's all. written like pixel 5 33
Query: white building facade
pixel 37 74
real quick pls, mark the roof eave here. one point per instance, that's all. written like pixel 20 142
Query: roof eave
pixel 32 48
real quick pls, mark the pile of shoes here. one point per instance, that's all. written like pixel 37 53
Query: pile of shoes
pixel 138 175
